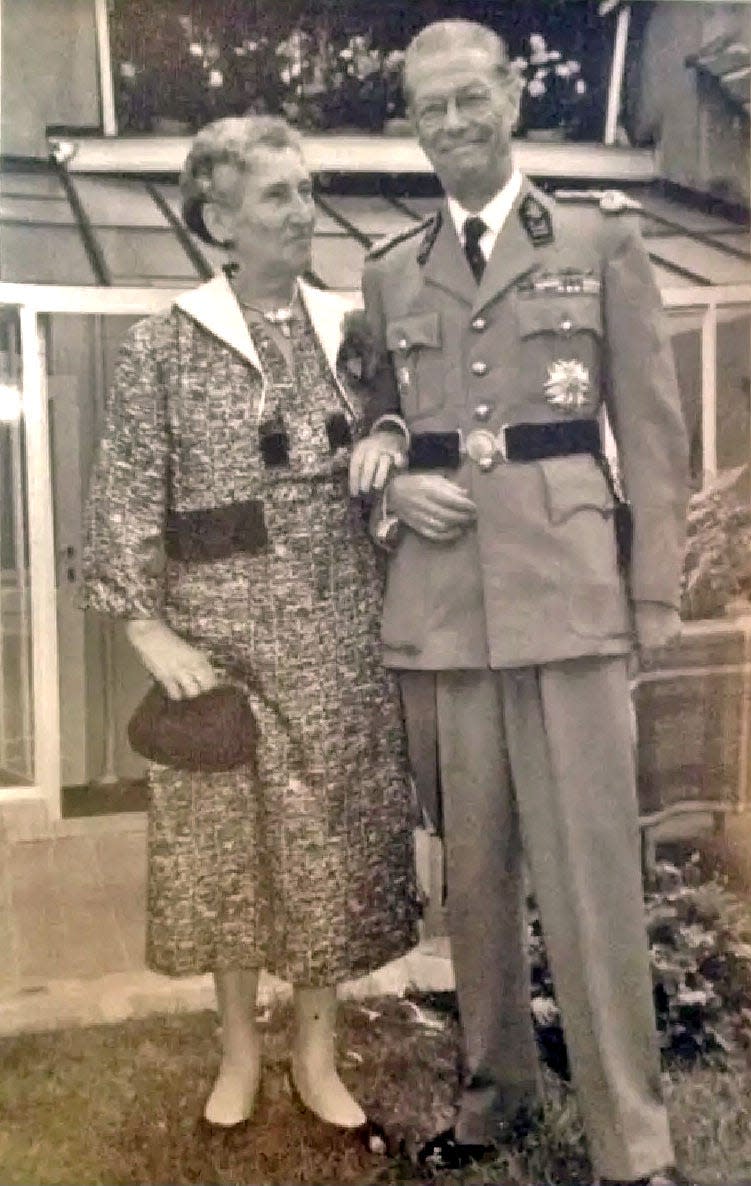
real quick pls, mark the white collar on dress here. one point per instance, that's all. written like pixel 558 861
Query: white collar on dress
pixel 216 308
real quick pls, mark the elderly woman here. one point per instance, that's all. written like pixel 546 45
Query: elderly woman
pixel 228 409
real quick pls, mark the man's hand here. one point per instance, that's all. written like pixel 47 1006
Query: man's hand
pixel 431 505
pixel 181 669
pixel 656 626
pixel 372 461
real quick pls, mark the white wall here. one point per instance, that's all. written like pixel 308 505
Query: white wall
pixel 48 67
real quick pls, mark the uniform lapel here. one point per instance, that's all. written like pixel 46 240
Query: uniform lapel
pixel 514 255
pixel 215 307
pixel 326 311
pixel 446 265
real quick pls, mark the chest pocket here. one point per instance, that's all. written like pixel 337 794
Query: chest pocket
pixel 564 316
pixel 416 342
pixel 561 329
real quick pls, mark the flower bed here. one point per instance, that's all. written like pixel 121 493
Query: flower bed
pixel 700 955
pixel 322 67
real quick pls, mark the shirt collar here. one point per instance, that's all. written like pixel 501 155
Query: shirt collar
pixel 495 213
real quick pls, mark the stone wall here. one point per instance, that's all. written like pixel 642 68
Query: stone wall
pixel 703 141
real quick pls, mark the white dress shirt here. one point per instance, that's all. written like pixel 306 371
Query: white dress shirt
pixel 494 214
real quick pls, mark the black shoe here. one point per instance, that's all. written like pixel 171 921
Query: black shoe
pixel 445 1152
pixel 370 1133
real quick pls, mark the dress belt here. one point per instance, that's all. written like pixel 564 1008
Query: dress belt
pixel 513 442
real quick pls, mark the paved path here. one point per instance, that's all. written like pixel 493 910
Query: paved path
pixel 72 910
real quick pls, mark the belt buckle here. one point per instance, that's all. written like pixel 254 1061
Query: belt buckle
pixel 483 448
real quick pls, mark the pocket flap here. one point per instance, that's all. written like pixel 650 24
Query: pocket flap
pixel 574 484
pixel 559 315
pixel 404 333
pixel 216 533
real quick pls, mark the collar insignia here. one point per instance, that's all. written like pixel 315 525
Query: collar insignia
pixel 536 221
pixel 429 238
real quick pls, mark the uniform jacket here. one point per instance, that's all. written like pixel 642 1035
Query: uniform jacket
pixel 537 579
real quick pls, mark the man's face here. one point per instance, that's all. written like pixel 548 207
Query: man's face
pixel 273 225
pixel 464 112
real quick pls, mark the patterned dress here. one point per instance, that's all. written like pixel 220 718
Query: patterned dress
pixel 304 864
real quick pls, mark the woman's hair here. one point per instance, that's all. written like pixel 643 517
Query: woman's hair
pixel 219 156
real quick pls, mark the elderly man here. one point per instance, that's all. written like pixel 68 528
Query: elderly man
pixel 502 327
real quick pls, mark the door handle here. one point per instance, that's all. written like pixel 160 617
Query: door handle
pixel 67 558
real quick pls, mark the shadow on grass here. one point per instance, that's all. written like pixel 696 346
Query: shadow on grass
pixel 120 1105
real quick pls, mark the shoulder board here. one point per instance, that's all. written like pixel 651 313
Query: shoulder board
pixel 384 245
pixel 610 201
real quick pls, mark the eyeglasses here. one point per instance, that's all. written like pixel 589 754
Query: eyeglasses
pixel 468 103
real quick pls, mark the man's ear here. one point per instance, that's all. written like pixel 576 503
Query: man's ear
pixel 514 88
pixel 219 222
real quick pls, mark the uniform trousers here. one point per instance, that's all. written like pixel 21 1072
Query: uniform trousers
pixel 539 761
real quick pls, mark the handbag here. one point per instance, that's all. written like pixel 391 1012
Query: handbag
pixel 211 732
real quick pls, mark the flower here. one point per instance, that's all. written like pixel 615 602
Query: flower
pixel 552 85
pixel 127 70
pixel 195 49
pixel 216 78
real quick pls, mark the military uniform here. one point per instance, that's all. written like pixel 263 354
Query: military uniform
pixel 512 641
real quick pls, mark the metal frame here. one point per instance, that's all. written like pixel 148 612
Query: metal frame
pixel 104 62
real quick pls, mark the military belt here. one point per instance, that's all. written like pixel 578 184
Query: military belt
pixel 513 442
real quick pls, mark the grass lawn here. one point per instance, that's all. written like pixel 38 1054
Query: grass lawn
pixel 120 1104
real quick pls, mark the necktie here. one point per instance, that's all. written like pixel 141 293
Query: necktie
pixel 474 229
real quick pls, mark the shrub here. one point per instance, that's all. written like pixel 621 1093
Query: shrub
pixel 717 566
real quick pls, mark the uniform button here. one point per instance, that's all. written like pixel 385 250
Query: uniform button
pixel 482 412
pixel 479 324
pixel 479 367
pixel 567 325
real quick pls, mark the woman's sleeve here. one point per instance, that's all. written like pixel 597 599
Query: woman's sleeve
pixel 123 560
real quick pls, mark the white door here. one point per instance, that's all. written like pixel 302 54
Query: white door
pixel 29 705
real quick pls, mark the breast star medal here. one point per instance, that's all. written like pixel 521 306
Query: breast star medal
pixel 567 385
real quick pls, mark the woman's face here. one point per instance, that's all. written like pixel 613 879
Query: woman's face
pixel 273 225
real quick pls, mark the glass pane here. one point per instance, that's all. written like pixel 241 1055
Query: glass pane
pixel 338 262
pixel 715 266
pixel 55 257
pixel 16 719
pixel 137 256
pixel 38 184
pixel 733 369
pixel 118 203
pixel 370 215
pixel 36 210
pixel 101 679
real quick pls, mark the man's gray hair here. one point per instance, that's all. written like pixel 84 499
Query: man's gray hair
pixel 453 32
pixel 219 156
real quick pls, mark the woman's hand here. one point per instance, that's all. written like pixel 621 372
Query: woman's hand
pixel 181 669
pixel 372 461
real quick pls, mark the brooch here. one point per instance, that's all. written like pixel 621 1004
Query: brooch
pixel 567 385
pixel 358 354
